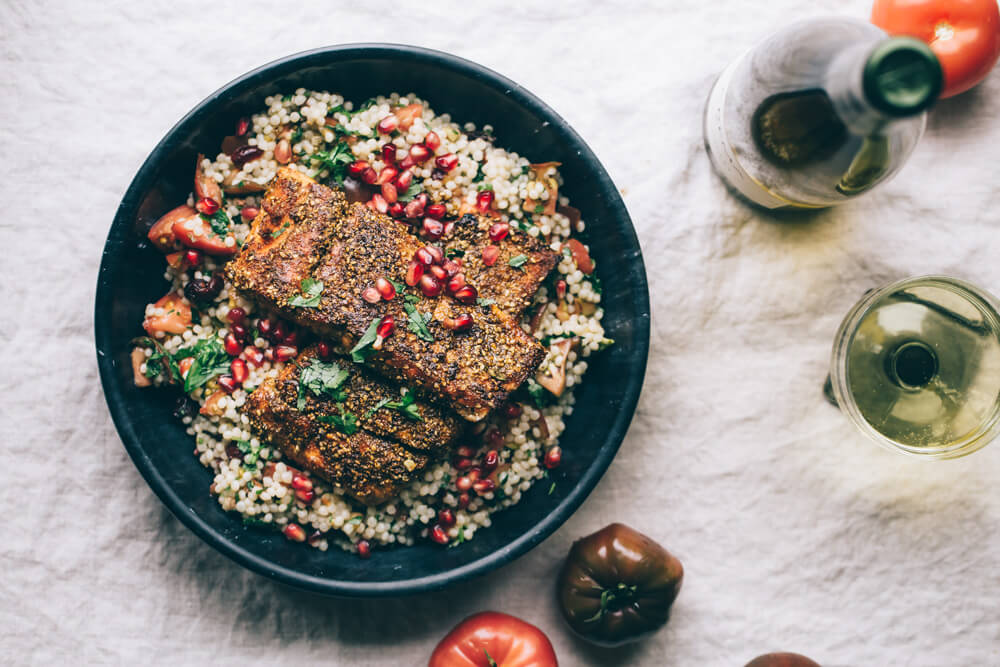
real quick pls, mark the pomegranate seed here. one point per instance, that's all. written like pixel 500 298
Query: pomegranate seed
pixel 438 535
pixel 451 267
pixel 553 457
pixel 207 206
pixel 413 273
pixel 407 162
pixel 387 175
pixel 357 168
pixel 254 356
pixel 419 153
pixel 227 384
pixel 490 255
pixel 369 176
pixel 192 257
pixel 436 211
pixel 467 295
pixel 242 126
pixel 306 496
pixel 232 345
pixel 484 199
pixel 463 483
pixel 238 369
pixel 314 538
pixel 424 256
pixel 484 486
pixel 236 315
pixel 430 285
pixel 388 124
pixel 438 272
pixel 248 213
pixel 466 451
pixel 384 330
pixel 461 322
pixel 239 331
pixel 404 180
pixel 323 350
pixel 448 226
pixel 291 338
pixel 415 208
pixel 447 162
pixel 294 532
pixel 560 288
pixel 432 140
pixel 491 460
pixel 395 209
pixel 245 154
pixel 456 283
pixel 285 352
pixel 269 354
pixel 494 437
pixel 513 410
pixel 462 463
pixel 266 328
pixel 389 193
pixel 386 289
pixel 364 549
pixel 389 153
pixel 463 500
pixel 371 295
pixel 301 483
pixel 446 518
pixel 279 332
pixel 379 203
pixel 499 231
pixel 433 228
pixel 436 253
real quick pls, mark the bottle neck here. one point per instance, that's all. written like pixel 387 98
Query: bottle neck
pixel 844 83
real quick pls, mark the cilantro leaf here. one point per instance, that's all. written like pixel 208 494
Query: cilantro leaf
pixel 411 192
pixel 452 253
pixel 518 261
pixel 539 394
pixel 346 422
pixel 400 287
pixel 312 291
pixel 406 406
pixel 361 351
pixel 417 322
pixel 335 161
pixel 322 378
pixel 218 221
pixel 210 360
pixel 375 408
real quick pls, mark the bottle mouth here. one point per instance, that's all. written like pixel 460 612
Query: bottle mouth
pixel 902 77
pixel 912 365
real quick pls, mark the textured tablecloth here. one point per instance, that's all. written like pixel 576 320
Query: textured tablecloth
pixel 795 532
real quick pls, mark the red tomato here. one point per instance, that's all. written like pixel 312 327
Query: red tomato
pixel 195 233
pixel 964 34
pixel 175 319
pixel 162 231
pixel 491 638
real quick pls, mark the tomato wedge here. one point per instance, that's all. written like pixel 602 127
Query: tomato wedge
pixel 196 233
pixel 581 256
pixel 175 318
pixel 161 234
pixel 408 114
pixel 963 34
pixel 492 639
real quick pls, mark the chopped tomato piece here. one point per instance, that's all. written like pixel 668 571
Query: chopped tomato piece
pixel 162 231
pixel 551 185
pixel 175 319
pixel 138 359
pixel 196 233
pixel 205 186
pixel 581 256
pixel 408 114
pixel 176 260
pixel 214 404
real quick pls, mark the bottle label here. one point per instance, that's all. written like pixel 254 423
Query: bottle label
pixel 721 151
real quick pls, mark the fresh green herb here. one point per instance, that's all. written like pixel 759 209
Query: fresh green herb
pixel 518 261
pixel 342 131
pixel 452 253
pixel 595 284
pixel 361 351
pixel 548 339
pixel 458 540
pixel 540 396
pixel 335 161
pixel 479 174
pixel 367 104
pixel 552 488
pixel 322 378
pixel 539 208
pixel 605 343
pixel 312 291
pixel 411 298
pixel 280 230
pixel 525 170
pixel 378 406
pixel 296 136
pixel 251 522
pixel 490 662
pixel 353 519
pixel 210 360
pixel 159 361
pixel 400 287
pixel 417 323
pixel 411 192
pixel 346 422
pixel 484 186
pixel 286 98
pixel 485 303
pixel 250 453
pixel 218 221
pixel 407 406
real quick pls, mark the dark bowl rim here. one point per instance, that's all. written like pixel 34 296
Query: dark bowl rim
pixel 520 545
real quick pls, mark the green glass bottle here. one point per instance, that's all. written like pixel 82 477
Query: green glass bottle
pixel 820 112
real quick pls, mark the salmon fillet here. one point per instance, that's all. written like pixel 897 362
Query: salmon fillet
pixel 385 452
pixel 307 231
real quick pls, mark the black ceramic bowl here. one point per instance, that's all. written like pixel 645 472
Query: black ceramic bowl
pixel 132 275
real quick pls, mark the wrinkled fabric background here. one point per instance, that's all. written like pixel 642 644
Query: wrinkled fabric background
pixel 796 533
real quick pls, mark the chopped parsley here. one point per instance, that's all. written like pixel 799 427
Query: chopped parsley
pixel 400 287
pixel 218 221
pixel 346 422
pixel 250 453
pixel 406 406
pixel 312 291
pixel 411 192
pixel 452 253
pixel 552 489
pixel 296 136
pixel 361 351
pixel 518 261
pixel 335 161
pixel 417 322
pixel 539 208
pixel 210 360
pixel 485 303
pixel 539 394
pixel 322 378
pixel 159 361
pixel 479 174
pixel 484 186
pixel 280 230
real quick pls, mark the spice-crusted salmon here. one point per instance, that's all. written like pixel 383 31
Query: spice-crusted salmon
pixel 381 449
pixel 303 231
pixel 511 286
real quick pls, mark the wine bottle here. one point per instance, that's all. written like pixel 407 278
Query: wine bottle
pixel 819 112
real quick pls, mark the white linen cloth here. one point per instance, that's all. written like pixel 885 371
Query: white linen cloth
pixel 796 533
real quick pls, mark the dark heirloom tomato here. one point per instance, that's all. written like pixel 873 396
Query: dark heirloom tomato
pixel 617 585
pixel 492 639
